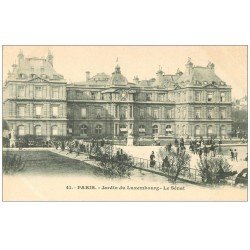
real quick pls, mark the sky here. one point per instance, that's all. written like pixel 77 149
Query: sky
pixel 73 61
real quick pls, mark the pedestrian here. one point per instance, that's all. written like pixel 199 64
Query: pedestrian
pixel 152 159
pixel 205 150
pixel 232 154
pixel 200 152
pixel 235 155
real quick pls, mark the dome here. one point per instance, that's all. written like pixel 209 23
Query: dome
pixel 117 78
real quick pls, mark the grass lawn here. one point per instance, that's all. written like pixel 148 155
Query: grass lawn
pixel 49 163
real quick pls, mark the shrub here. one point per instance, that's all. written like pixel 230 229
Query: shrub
pixel 114 165
pixel 12 163
pixel 214 170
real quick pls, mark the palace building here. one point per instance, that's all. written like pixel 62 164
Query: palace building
pixel 39 101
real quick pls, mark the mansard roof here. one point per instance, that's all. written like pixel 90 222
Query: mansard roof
pixel 199 75
pixel 32 67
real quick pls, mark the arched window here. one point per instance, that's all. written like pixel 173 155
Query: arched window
pixel 83 129
pixel 177 130
pixel 98 129
pixel 155 129
pixel 209 130
pixel 168 130
pixel 183 129
pixel 20 130
pixel 142 129
pixel 197 130
pixel 38 130
pixel 54 130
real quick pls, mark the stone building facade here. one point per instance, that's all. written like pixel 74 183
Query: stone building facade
pixel 39 101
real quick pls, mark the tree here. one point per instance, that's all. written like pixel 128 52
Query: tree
pixel 174 162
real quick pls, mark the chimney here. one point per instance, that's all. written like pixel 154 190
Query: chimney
pixel 189 65
pixel 136 79
pixel 159 78
pixel 210 65
pixel 50 58
pixel 87 76
pixel 20 56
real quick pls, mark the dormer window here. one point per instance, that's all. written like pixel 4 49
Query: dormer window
pixel 22 75
pixel 205 82
pixel 33 76
pixel 209 97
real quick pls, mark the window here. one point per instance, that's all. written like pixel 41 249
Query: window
pixel 161 97
pixel 209 130
pixel 55 92
pixel 54 130
pixel 79 94
pixel 98 129
pixel 20 130
pixel 38 92
pixel 83 112
pixel 223 130
pixel 197 131
pixel 21 91
pixel 222 114
pixel 222 97
pixel 142 129
pixel 148 97
pixel 197 113
pixel 178 113
pixel 123 128
pixel 131 111
pixel 141 113
pixel 93 95
pixel 116 111
pixel 155 113
pixel 70 129
pixel 209 116
pixel 98 113
pixel 209 97
pixel 168 130
pixel 123 113
pixel 184 130
pixel 38 110
pixel 21 111
pixel 184 113
pixel 42 69
pixel 197 96
pixel 155 129
pixel 83 129
pixel 55 111
pixel 38 130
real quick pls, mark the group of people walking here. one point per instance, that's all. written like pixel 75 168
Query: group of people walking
pixel 234 155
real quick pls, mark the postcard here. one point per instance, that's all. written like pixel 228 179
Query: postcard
pixel 124 123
